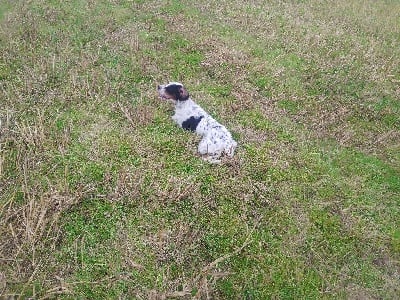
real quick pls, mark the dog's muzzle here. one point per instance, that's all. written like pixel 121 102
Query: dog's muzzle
pixel 161 92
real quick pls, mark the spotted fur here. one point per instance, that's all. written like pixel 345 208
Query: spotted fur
pixel 217 140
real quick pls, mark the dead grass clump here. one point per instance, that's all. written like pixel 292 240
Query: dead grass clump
pixel 198 283
pixel 325 121
pixel 31 135
pixel 175 244
pixel 176 189
pixel 30 232
pixel 137 116
pixel 31 204
pixel 5 138
pixel 126 36
pixel 127 185
pixel 222 62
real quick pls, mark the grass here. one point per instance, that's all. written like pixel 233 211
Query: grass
pixel 102 196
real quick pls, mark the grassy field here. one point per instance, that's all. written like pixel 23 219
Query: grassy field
pixel 103 197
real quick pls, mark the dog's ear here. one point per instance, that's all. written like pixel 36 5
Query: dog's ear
pixel 177 92
pixel 183 94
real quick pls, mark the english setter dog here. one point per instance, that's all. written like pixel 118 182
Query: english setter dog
pixel 217 140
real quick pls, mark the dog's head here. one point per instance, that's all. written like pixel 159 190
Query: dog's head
pixel 173 91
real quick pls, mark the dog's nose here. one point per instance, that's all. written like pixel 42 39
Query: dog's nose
pixel 159 87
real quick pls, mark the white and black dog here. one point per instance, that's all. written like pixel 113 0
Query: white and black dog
pixel 217 140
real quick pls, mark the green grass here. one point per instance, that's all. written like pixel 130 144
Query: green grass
pixel 103 197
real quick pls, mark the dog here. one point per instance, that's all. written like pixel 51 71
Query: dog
pixel 216 140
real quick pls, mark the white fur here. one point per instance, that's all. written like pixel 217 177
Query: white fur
pixel 217 140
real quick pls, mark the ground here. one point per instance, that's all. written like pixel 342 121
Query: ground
pixel 102 196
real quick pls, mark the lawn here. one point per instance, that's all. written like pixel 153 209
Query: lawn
pixel 102 196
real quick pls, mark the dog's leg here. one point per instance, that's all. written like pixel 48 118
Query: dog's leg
pixel 203 146
pixel 230 149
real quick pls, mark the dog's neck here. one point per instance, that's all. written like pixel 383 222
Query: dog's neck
pixel 183 103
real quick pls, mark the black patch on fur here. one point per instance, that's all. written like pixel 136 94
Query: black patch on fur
pixel 191 123
pixel 177 92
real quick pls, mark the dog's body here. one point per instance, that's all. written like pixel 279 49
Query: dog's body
pixel 217 140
